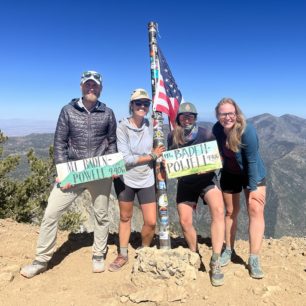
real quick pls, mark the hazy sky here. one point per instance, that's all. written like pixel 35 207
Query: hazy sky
pixel 252 51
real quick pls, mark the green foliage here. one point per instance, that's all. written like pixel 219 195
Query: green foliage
pixel 25 200
pixel 21 145
pixel 31 195
pixel 71 221
pixel 7 186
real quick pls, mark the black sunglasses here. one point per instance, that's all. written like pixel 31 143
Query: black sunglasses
pixel 142 103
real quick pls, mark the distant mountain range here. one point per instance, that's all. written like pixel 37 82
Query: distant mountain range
pixel 283 147
pixel 23 127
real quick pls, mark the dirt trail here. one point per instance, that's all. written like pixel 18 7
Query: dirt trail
pixel 69 280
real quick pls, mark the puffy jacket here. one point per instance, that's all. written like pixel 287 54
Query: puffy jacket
pixel 80 134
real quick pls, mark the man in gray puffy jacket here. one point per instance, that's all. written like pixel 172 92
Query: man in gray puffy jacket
pixel 85 128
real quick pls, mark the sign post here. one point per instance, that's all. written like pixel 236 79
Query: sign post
pixel 158 139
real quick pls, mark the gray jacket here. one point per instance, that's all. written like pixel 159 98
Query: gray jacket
pixel 134 142
pixel 80 134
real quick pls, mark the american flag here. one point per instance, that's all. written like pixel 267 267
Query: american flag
pixel 167 97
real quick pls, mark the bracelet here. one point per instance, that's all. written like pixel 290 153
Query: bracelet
pixel 153 156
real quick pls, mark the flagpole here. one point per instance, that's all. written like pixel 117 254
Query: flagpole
pixel 159 139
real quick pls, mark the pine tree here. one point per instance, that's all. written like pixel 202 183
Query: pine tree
pixel 25 201
pixel 7 185
pixel 31 195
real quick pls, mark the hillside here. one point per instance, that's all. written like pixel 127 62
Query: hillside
pixel 283 146
pixel 69 280
pixel 21 145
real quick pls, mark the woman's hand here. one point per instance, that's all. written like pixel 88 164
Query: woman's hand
pixel 158 151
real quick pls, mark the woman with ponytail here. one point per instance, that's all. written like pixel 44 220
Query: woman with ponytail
pixel 203 185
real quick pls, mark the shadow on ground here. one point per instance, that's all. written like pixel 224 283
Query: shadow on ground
pixel 81 240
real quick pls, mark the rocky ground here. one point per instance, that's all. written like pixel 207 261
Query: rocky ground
pixel 69 280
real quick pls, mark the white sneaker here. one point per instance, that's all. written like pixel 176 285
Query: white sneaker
pixel 35 268
pixel 98 264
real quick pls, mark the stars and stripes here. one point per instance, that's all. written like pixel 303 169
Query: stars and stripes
pixel 167 97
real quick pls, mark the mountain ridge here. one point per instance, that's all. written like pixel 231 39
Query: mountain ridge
pixel 283 148
pixel 16 127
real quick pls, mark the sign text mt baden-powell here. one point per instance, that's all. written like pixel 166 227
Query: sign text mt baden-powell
pixel 90 169
pixel 194 159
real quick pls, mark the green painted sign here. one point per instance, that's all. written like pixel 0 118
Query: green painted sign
pixel 90 169
pixel 194 159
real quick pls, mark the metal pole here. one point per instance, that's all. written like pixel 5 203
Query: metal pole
pixel 159 139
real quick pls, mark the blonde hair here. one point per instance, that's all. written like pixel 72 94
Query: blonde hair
pixel 178 137
pixel 233 138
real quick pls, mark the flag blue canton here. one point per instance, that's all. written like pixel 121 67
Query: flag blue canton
pixel 167 97
pixel 169 81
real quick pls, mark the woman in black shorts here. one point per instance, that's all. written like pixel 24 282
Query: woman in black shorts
pixel 243 168
pixel 191 187
pixel 135 142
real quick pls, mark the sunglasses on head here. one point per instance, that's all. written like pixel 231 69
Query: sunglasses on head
pixel 142 103
pixel 95 75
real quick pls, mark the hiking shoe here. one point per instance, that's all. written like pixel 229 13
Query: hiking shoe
pixel 98 264
pixel 118 263
pixel 216 275
pixel 226 257
pixel 35 268
pixel 254 267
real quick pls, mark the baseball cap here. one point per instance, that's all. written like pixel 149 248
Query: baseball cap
pixel 91 75
pixel 140 94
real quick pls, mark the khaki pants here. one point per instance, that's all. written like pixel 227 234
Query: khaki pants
pixel 59 201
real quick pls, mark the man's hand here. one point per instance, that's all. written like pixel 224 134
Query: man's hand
pixel 67 186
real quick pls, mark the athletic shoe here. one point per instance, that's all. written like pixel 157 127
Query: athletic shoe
pixel 226 257
pixel 35 268
pixel 98 264
pixel 255 267
pixel 216 275
pixel 118 263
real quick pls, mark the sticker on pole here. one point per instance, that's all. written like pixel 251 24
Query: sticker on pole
pixel 200 158
pixel 90 169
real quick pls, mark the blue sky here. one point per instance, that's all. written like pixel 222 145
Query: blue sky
pixel 252 51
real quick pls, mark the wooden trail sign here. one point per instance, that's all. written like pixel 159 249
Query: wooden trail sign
pixel 90 169
pixel 194 159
